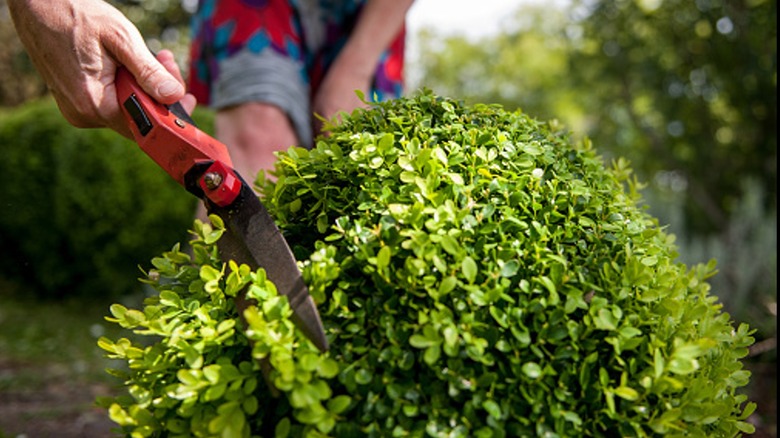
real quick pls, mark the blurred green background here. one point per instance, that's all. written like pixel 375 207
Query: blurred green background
pixel 685 90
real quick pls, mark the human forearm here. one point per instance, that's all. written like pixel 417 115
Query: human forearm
pixel 354 68
pixel 378 24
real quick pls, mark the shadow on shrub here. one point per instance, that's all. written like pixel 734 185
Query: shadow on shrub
pixel 81 207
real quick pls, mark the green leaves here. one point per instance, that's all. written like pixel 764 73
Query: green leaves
pixel 476 273
pixel 469 269
pixel 429 340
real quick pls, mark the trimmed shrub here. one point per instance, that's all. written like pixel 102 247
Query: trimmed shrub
pixel 477 275
pixel 81 206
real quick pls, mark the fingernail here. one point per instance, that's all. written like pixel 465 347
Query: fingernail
pixel 169 88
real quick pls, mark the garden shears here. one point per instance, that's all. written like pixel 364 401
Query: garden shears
pixel 202 165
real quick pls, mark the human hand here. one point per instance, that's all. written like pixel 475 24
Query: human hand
pixel 77 45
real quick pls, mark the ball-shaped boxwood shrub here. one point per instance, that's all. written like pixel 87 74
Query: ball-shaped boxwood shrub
pixel 477 275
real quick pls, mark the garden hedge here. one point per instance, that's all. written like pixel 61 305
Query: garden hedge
pixel 81 207
pixel 478 274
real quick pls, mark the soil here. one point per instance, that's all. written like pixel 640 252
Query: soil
pixel 55 405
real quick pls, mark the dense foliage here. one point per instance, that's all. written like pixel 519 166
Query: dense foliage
pixel 685 90
pixel 478 274
pixel 81 207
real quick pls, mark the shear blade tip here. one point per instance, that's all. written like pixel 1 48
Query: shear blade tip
pixel 307 318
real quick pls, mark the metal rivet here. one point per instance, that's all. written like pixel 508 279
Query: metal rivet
pixel 212 180
pixel 179 123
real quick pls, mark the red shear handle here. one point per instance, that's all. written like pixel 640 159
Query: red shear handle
pixel 174 143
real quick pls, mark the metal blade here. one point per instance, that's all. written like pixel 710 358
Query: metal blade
pixel 181 113
pixel 253 238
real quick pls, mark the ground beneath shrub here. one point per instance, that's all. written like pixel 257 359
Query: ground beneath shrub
pixel 56 405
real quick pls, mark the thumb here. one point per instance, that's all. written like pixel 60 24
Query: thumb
pixel 150 74
pixel 161 85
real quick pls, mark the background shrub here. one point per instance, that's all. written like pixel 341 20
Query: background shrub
pixel 81 207
pixel 478 274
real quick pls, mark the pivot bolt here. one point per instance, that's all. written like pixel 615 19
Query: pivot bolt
pixel 212 180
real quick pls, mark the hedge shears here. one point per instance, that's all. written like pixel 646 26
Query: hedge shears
pixel 202 165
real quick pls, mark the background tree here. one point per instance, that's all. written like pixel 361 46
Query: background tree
pixel 685 88
pixel 523 66
pixel 164 23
